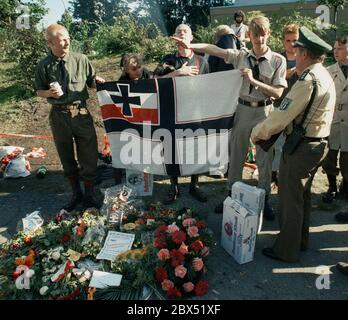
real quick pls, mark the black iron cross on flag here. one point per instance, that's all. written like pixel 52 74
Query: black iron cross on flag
pixel 125 99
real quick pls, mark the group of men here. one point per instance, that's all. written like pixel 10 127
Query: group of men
pixel 307 95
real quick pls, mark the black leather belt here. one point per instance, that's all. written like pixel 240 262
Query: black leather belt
pixel 255 104
pixel 309 139
pixel 69 106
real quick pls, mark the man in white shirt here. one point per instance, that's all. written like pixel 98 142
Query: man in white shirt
pixel 240 29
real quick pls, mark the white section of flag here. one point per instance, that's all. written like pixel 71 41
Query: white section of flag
pixel 207 97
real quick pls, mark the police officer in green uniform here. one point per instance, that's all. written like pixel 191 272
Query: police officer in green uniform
pixel 62 78
pixel 306 114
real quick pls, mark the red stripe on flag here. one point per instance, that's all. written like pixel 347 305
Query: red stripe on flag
pixel 140 115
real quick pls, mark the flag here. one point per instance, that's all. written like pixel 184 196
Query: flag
pixel 170 126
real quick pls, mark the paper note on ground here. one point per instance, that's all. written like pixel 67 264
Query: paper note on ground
pixel 115 243
pixel 102 279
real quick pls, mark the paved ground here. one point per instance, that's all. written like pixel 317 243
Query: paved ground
pixel 261 279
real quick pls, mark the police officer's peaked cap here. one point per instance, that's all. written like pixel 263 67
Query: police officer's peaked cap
pixel 309 40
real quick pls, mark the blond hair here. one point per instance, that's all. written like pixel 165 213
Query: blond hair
pixel 291 29
pixel 220 31
pixel 260 24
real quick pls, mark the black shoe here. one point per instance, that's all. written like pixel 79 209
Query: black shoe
pixel 198 194
pixel 172 195
pixel 331 193
pixel 342 194
pixel 342 217
pixel 329 196
pixel 219 208
pixel 77 195
pixel 268 212
pixel 76 199
pixel 268 252
pixel 343 267
pixel 91 199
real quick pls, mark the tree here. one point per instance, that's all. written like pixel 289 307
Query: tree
pixel 66 20
pixel 100 11
pixel 336 5
pixel 168 14
pixel 8 14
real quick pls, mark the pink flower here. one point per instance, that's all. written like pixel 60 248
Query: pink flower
pixel 167 284
pixel 197 264
pixel 188 222
pixel 180 271
pixel 192 232
pixel 172 228
pixel 183 248
pixel 205 252
pixel 163 254
pixel 188 286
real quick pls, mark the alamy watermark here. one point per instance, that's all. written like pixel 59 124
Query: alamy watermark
pixel 323 281
pixel 192 147
pixel 323 21
pixel 23 20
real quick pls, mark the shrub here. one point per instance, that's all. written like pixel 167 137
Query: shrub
pixel 25 48
pixel 127 35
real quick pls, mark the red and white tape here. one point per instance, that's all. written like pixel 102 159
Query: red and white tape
pixel 24 136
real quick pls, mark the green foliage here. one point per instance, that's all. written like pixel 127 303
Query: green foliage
pixel 282 17
pixel 342 29
pixel 126 35
pixel 205 34
pixel 27 50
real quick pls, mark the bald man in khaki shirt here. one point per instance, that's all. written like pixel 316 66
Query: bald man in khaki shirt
pixel 298 167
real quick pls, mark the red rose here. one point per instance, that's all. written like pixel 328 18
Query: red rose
pixel 65 238
pixel 160 242
pixel 161 274
pixel 201 224
pixel 176 258
pixel 179 237
pixel 197 245
pixel 160 230
pixel 201 287
pixel 173 293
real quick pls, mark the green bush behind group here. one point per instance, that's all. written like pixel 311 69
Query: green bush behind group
pixel 24 48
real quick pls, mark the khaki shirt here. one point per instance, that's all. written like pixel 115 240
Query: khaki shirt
pixel 292 107
pixel 339 129
pixel 272 71
pixel 79 73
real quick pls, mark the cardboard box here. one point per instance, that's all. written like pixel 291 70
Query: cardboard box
pixel 251 197
pixel 141 181
pixel 239 230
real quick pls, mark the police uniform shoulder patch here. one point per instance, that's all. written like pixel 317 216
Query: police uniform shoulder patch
pixel 304 75
pixel 285 104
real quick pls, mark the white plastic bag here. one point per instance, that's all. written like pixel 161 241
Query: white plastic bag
pixel 32 222
pixel 17 168
pixel 10 150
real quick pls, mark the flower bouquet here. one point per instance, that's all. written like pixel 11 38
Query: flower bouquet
pixel 182 248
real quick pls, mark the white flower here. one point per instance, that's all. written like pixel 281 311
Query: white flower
pixel 56 255
pixel 179 217
pixel 43 290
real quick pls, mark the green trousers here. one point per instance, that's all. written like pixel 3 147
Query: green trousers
pixel 78 128
pixel 296 175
